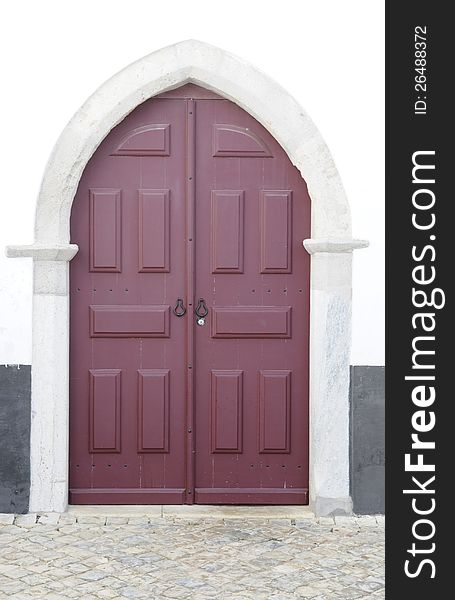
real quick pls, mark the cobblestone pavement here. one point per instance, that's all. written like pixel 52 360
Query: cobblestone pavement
pixel 66 556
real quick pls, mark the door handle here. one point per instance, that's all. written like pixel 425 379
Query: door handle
pixel 201 309
pixel 179 308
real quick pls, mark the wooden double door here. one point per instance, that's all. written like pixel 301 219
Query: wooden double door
pixel 189 312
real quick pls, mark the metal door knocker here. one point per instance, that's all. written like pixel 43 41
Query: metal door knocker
pixel 179 309
pixel 201 311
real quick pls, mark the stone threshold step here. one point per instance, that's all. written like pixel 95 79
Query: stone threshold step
pixel 195 511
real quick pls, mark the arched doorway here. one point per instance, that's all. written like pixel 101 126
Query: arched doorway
pixel 189 327
pixel 330 245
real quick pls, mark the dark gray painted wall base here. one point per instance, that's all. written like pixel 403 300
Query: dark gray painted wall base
pixel 366 434
pixel 14 438
pixel 367 439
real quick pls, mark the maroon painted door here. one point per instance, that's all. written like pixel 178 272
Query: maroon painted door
pixel 189 204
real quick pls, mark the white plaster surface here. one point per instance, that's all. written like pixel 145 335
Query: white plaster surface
pixel 328 54
pixel 303 60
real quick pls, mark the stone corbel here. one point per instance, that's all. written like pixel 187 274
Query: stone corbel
pixel 50 265
pixel 333 245
pixel 43 252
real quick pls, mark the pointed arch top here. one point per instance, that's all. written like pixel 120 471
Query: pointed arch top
pixel 190 61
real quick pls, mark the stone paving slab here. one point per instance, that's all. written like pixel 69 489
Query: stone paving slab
pixel 80 554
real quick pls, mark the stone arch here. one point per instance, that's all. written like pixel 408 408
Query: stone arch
pixel 331 246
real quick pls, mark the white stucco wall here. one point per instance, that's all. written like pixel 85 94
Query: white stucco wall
pixel 329 55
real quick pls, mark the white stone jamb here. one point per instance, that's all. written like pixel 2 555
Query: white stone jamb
pixel 330 344
pixel 50 388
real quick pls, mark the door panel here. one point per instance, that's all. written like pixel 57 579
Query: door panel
pixel 251 322
pixel 275 411
pixel 105 230
pixel 252 214
pixel 154 231
pixel 129 321
pixel 153 410
pixel 189 198
pixel 105 399
pixel 226 411
pixel 227 212
pixel 127 348
pixel 276 231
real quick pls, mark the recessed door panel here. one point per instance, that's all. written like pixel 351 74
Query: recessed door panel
pixel 105 410
pixel 154 230
pixel 227 231
pixel 251 322
pixel 227 411
pixel 276 231
pixel 153 410
pixel 105 230
pixel 129 320
pixel 274 411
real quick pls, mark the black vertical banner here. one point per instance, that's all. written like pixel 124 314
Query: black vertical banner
pixel 420 236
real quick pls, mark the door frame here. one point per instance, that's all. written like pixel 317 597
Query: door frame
pixel 330 246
